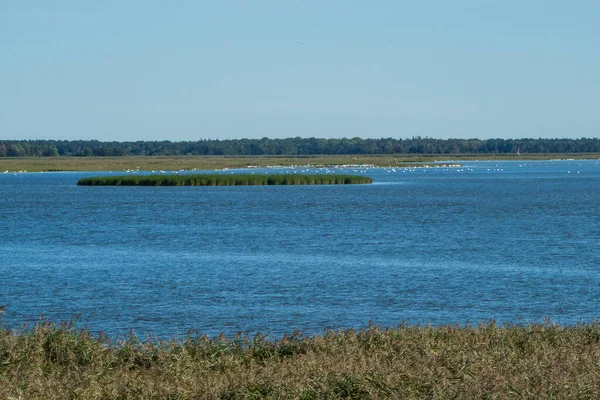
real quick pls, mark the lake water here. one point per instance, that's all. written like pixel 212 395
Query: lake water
pixel 510 241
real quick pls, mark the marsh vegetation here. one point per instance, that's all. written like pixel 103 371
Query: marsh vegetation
pixel 148 163
pixel 224 180
pixel 485 361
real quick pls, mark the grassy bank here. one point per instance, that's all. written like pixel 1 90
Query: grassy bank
pixel 219 162
pixel 224 180
pixel 484 361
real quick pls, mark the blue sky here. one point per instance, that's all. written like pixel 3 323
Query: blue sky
pixel 190 70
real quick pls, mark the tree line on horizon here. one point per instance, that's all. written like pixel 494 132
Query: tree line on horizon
pixel 294 147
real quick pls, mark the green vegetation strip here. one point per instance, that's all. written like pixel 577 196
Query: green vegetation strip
pixel 223 180
pixel 294 147
pixel 50 361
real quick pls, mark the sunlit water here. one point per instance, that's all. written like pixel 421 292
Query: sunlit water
pixel 514 242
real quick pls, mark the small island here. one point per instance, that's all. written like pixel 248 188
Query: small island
pixel 224 180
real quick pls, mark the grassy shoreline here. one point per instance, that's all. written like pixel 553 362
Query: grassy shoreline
pixel 484 361
pixel 37 164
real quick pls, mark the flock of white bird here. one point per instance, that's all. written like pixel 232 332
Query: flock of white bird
pixel 346 169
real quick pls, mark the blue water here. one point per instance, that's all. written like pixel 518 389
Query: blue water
pixel 515 242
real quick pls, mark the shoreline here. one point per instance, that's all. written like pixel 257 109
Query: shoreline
pixel 148 163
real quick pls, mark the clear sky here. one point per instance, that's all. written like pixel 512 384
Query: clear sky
pixel 189 70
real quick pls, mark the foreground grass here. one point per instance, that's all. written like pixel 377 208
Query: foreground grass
pixel 34 164
pixel 484 361
pixel 224 180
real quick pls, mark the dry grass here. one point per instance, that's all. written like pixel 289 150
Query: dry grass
pixel 484 361
pixel 218 162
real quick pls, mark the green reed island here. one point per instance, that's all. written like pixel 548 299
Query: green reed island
pixel 224 180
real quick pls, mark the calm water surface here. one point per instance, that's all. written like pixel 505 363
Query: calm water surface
pixel 515 242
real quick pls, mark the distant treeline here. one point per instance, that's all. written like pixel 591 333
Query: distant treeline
pixel 294 147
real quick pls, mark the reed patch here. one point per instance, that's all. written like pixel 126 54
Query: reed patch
pixel 52 361
pixel 224 180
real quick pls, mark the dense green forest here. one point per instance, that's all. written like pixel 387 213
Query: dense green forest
pixel 294 147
